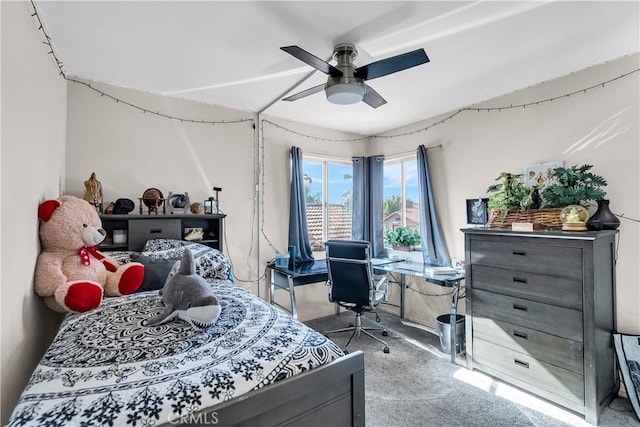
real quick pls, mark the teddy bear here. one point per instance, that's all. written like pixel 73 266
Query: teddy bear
pixel 71 274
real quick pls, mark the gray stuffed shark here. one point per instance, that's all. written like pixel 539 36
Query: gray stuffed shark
pixel 188 297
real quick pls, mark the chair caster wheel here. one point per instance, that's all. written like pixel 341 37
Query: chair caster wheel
pixel 345 351
pixel 386 350
pixel 385 333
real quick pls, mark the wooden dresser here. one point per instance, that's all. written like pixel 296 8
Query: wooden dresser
pixel 540 313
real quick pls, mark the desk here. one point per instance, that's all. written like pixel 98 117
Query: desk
pixel 403 268
pixel 303 274
pixel 316 271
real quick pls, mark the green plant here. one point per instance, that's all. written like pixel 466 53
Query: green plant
pixel 573 186
pixel 511 194
pixel 402 236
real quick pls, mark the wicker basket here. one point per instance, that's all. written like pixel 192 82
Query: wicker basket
pixel 549 218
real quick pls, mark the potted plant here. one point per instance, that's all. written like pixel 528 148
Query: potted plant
pixel 511 194
pixel 573 186
pixel 402 238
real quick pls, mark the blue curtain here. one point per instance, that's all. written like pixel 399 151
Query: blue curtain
pixel 434 247
pixel 367 202
pixel 298 233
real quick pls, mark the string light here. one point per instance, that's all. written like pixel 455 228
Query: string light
pixel 317 138
pixel 508 107
pixel 363 138
pixel 63 73
pixel 455 113
pixel 48 41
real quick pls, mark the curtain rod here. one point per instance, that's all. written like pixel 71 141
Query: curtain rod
pixel 406 153
pixel 346 158
pixel 410 153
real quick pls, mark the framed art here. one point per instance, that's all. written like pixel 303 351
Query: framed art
pixel 477 211
pixel 540 175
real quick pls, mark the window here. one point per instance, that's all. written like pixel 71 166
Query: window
pixel 401 194
pixel 328 187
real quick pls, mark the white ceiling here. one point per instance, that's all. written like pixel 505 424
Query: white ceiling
pixel 227 53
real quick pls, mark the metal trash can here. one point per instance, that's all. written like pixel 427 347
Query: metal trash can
pixel 444 332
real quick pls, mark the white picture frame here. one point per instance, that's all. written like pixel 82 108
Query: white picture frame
pixel 541 174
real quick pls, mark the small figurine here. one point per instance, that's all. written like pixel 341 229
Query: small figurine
pixel 573 216
pixel 93 192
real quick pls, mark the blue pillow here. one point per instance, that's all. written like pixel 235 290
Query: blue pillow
pixel 155 271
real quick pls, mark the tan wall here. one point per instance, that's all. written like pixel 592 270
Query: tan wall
pixel 312 300
pixel 131 151
pixel 33 141
pixel 599 127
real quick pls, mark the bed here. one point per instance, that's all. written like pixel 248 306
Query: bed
pixel 255 366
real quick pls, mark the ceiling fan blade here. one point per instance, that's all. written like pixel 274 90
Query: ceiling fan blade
pixel 373 98
pixel 304 93
pixel 392 65
pixel 312 60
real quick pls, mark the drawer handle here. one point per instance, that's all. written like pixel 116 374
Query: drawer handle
pixel 520 335
pixel 520 252
pixel 520 307
pixel 520 280
pixel 155 230
pixel 521 363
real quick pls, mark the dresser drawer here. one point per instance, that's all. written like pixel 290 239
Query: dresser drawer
pixel 557 351
pixel 523 255
pixel 560 321
pixel 141 230
pixel 561 382
pixel 562 291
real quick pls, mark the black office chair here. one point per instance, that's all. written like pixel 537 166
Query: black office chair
pixel 352 285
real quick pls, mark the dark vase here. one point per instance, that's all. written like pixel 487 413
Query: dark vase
pixel 603 218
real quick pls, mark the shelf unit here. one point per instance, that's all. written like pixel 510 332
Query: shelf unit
pixel 140 228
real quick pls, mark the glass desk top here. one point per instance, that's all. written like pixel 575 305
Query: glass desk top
pixel 380 266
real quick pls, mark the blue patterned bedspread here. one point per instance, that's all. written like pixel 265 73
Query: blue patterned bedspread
pixel 105 367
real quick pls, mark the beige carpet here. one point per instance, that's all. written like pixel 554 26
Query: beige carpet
pixel 416 385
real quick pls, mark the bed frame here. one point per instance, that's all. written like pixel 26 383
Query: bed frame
pixel 330 395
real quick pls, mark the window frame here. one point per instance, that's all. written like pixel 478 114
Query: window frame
pixel 402 159
pixel 325 160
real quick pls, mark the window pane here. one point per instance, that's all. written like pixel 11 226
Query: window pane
pixel 340 191
pixel 392 194
pixel 401 195
pixel 412 202
pixel 313 185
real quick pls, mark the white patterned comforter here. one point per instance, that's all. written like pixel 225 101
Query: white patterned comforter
pixel 105 367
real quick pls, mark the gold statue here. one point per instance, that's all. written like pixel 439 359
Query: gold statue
pixel 93 192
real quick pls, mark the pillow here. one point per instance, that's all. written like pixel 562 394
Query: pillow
pixel 156 271
pixel 121 257
pixel 210 262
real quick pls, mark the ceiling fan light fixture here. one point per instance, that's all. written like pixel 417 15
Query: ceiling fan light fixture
pixel 345 93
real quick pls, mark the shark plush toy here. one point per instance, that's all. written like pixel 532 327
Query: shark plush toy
pixel 188 297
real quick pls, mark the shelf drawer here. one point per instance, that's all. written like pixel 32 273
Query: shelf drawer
pixel 562 291
pixel 522 255
pixel 560 382
pixel 559 321
pixel 561 352
pixel 145 229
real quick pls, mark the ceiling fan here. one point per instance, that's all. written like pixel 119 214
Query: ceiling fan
pixel 346 83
